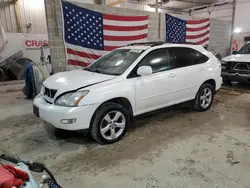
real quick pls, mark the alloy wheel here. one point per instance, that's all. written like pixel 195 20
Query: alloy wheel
pixel 112 125
pixel 206 97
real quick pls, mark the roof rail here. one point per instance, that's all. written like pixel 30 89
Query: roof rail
pixel 151 44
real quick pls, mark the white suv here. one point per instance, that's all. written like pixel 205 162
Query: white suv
pixel 139 78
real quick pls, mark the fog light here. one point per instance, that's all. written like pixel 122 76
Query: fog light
pixel 68 121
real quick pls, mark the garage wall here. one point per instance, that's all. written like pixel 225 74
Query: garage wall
pixel 220 36
pixel 219 39
pixel 56 35
pixel 29 11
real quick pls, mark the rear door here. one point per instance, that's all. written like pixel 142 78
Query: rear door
pixel 188 70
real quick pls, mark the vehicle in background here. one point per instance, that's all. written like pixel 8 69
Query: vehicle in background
pixel 237 66
pixel 127 82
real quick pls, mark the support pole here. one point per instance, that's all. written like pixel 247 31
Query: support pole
pixel 159 18
pixel 19 29
pixel 232 27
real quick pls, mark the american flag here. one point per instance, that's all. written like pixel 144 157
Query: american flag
pixel 53 184
pixel 187 31
pixel 88 34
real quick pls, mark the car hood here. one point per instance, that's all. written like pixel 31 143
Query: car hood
pixel 238 58
pixel 73 80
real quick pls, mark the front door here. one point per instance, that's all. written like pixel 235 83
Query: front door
pixel 152 90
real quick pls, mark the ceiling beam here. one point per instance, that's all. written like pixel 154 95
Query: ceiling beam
pixel 116 3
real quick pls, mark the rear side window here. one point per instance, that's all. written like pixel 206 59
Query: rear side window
pixel 199 57
pixel 158 59
pixel 182 57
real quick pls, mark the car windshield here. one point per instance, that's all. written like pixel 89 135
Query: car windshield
pixel 245 49
pixel 115 62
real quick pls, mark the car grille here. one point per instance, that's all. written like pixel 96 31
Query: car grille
pixel 237 67
pixel 49 92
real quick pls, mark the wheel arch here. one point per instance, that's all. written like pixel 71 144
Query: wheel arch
pixel 123 101
pixel 211 82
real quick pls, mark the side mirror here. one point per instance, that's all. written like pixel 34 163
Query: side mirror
pixel 235 52
pixel 144 70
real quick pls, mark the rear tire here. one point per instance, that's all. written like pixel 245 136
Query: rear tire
pixel 109 123
pixel 204 97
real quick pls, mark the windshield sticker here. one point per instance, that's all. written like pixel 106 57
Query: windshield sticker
pixel 136 50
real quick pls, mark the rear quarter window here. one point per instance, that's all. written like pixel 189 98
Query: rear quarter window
pixel 199 57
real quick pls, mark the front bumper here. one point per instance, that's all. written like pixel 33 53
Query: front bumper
pixel 236 77
pixel 54 114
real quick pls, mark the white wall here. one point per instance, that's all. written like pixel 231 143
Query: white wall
pixel 30 11
pixel 242 15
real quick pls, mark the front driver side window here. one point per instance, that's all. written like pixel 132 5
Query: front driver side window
pixel 158 60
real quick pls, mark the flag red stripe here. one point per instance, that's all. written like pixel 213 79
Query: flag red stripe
pixel 124 28
pixel 82 54
pixel 125 38
pixel 124 18
pixel 77 63
pixel 202 41
pixel 197 21
pixel 197 36
pixel 110 48
pixel 199 28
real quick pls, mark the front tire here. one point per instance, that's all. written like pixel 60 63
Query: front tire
pixel 204 97
pixel 109 123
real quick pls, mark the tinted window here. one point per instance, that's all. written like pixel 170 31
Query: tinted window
pixel 182 57
pixel 199 57
pixel 245 49
pixel 159 60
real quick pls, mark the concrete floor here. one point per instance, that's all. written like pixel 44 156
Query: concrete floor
pixel 173 148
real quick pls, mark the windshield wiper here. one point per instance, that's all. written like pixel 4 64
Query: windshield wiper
pixel 93 70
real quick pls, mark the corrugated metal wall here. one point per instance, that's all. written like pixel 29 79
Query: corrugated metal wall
pixel 30 11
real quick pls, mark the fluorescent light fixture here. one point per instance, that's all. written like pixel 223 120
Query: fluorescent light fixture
pixel 237 30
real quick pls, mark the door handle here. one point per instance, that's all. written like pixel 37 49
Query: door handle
pixel 202 68
pixel 172 75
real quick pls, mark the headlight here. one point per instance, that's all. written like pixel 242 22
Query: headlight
pixel 223 62
pixel 71 99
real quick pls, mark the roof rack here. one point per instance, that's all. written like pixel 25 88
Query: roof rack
pixel 151 44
